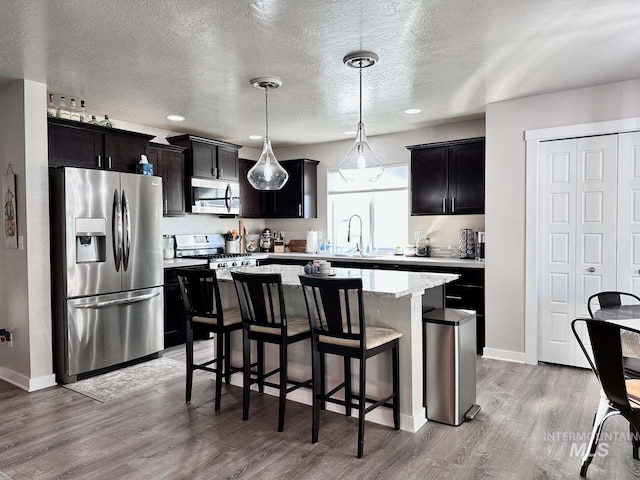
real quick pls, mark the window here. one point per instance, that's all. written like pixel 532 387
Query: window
pixel 383 207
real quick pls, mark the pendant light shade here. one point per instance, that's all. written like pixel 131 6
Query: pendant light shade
pixel 360 164
pixel 267 173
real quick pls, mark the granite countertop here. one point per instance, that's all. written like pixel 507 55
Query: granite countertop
pixel 386 283
pixel 184 262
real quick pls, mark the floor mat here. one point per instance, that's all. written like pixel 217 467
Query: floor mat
pixel 130 379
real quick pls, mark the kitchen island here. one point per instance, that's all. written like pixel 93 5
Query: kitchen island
pixel 393 299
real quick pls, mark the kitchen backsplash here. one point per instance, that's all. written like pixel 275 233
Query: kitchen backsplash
pixel 444 229
pixel 207 224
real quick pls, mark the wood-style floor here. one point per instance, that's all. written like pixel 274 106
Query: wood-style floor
pixel 524 431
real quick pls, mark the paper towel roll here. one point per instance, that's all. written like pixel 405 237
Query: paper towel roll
pixel 312 242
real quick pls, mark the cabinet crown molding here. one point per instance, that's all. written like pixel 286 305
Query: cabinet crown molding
pixel 181 139
pixel 447 143
pixel 96 128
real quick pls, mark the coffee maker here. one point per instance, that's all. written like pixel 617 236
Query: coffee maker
pixel 479 245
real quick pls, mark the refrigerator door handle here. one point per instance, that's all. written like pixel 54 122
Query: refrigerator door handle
pixel 116 229
pixel 121 301
pixel 126 221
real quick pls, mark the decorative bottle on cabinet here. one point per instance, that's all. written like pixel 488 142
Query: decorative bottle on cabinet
pixel 62 111
pixel 106 122
pixel 74 113
pixel 51 108
pixel 84 115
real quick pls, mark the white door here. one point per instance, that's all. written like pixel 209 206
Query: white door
pixel 629 213
pixel 596 217
pixel 557 249
pixel 578 237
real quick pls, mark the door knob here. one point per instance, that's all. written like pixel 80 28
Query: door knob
pixel 592 269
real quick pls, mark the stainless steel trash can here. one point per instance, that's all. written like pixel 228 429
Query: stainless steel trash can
pixel 450 365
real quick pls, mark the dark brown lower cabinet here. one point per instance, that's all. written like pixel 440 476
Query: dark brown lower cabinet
pixel 175 320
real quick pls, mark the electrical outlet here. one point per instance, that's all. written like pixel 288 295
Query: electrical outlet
pixel 20 242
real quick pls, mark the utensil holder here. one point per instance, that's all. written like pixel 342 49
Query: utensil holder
pixel 232 246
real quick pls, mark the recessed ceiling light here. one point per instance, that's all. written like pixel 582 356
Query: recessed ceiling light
pixel 255 137
pixel 350 132
pixel 175 118
pixel 412 111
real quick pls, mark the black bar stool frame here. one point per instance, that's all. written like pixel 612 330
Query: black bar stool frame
pixel 264 320
pixel 335 331
pixel 203 306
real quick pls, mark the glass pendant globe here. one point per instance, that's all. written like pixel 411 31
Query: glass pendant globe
pixel 361 164
pixel 267 173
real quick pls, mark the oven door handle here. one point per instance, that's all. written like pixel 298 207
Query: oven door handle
pixel 227 197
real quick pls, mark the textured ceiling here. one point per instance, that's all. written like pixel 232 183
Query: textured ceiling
pixel 142 60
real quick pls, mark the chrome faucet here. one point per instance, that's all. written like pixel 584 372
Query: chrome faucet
pixel 358 245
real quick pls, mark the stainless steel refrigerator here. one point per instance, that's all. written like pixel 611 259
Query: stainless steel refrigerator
pixel 107 269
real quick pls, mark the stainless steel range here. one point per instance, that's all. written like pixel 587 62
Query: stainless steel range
pixel 211 247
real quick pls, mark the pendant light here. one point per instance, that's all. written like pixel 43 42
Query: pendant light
pixel 360 164
pixel 267 173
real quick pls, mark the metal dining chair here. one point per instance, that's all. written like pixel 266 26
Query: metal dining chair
pixel 620 395
pixel 613 300
pixel 610 299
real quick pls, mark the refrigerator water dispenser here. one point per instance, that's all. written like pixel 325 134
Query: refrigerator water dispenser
pixel 91 240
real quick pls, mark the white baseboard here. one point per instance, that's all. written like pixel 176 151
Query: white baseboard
pixel 44 381
pixel 26 383
pixel 381 416
pixel 505 355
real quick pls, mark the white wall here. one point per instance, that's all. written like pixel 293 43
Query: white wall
pixel 25 309
pixel 390 149
pixel 505 193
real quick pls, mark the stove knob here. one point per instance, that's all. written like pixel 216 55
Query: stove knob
pixel 222 265
pixel 234 264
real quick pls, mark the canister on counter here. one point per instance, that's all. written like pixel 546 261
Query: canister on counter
pixel 423 247
pixel 168 250
pixel 467 243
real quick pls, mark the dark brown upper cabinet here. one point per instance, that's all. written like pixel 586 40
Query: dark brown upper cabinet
pixel 169 163
pixel 447 178
pixel 75 144
pixel 297 199
pixel 209 158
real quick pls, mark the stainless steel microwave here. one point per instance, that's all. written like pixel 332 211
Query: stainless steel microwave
pixel 219 197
